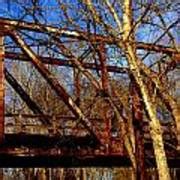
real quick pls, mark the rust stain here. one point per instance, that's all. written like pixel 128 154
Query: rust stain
pixel 1 89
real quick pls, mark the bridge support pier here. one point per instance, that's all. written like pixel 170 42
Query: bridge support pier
pixel 1 88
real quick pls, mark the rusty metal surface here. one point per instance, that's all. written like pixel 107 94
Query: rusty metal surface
pixel 62 62
pixel 15 24
pixel 63 143
pixel 7 160
pixel 54 83
pixel 57 151
pixel 1 88
pixel 137 109
pixel 57 144
pixel 24 96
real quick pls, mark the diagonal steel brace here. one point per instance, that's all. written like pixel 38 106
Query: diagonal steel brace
pixel 24 96
pixel 54 83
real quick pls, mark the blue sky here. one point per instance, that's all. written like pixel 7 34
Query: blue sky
pixel 50 9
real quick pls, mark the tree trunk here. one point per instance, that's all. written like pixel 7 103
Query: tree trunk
pixel 155 127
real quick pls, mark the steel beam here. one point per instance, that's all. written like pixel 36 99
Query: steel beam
pixel 101 51
pixel 45 141
pixel 63 161
pixel 67 53
pixel 80 35
pixel 51 161
pixel 1 88
pixel 57 116
pixel 25 97
pixel 64 62
pixel 54 83
pixel 137 115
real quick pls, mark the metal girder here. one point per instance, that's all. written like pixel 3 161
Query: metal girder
pixel 63 62
pixel 24 96
pixel 10 26
pixel 1 88
pixel 63 161
pixel 80 35
pixel 57 116
pixel 74 161
pixel 137 115
pixel 45 141
pixel 54 83
pixel 101 51
pixel 59 157
pixel 67 53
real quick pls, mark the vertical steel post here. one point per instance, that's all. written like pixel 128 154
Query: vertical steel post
pixel 137 112
pixel 105 86
pixel 77 85
pixel 104 71
pixel 1 88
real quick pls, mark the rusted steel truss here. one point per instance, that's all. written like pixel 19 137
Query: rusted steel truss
pixel 63 62
pixel 24 96
pixel 54 83
pixel 46 160
pixel 137 109
pixel 1 88
pixel 100 143
pixel 14 24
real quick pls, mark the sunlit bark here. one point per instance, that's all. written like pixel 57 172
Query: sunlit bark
pixel 155 128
